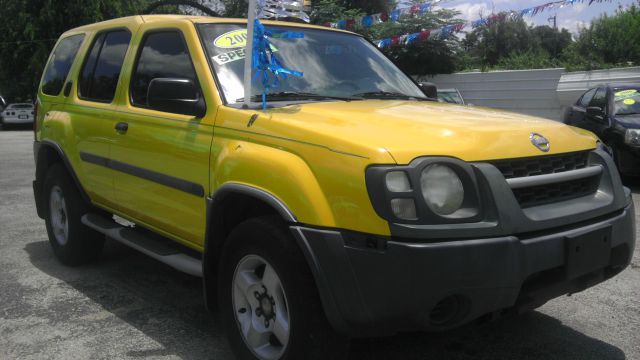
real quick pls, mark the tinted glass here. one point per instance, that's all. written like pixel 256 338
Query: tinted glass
pixel 451 97
pixel 102 70
pixel 84 83
pixel 60 64
pixel 163 55
pixel 334 64
pixel 600 99
pixel 586 98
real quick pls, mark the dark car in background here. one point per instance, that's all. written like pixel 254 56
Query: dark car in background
pixel 612 112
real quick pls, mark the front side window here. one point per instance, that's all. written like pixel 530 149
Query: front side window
pixel 60 64
pixel 586 98
pixel 101 71
pixel 162 55
pixel 600 99
pixel 334 64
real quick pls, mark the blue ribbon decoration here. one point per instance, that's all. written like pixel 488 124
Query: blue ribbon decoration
pixel 264 61
pixel 411 38
pixel 367 21
pixel 395 15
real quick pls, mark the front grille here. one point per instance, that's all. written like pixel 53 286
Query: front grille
pixel 542 165
pixel 546 194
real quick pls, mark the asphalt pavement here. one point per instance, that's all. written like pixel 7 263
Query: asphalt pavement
pixel 128 306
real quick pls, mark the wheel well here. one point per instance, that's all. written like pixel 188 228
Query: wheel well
pixel 46 156
pixel 224 214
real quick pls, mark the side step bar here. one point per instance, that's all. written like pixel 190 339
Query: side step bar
pixel 145 244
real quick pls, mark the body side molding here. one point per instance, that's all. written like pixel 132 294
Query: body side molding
pixel 160 178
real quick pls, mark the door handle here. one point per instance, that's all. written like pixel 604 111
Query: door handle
pixel 122 127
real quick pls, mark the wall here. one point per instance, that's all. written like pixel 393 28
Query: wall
pixel 543 93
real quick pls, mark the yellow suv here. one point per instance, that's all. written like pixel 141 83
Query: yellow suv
pixel 352 206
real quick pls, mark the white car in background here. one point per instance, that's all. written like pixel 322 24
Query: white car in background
pixel 22 113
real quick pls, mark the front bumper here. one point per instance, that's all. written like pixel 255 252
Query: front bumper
pixel 373 286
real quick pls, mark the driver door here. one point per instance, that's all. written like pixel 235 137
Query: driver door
pixel 162 158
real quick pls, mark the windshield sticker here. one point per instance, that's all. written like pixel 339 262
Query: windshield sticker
pixel 233 56
pixel 625 94
pixel 629 102
pixel 231 40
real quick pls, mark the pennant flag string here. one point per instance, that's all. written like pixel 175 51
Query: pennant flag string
pixel 448 30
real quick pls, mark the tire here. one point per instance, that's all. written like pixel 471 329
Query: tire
pixel 280 291
pixel 73 243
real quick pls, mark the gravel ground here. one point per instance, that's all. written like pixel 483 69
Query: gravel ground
pixel 128 306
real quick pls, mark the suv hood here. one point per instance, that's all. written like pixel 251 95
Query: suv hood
pixel 411 129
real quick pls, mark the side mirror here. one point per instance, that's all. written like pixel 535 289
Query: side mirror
pixel 430 90
pixel 595 111
pixel 178 96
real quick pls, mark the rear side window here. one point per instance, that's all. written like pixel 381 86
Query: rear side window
pixel 101 71
pixel 60 64
pixel 586 98
pixel 162 55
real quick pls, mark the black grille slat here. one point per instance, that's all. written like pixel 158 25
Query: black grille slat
pixel 546 194
pixel 543 165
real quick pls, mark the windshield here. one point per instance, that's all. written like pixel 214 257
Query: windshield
pixel 627 101
pixel 335 65
pixel 451 97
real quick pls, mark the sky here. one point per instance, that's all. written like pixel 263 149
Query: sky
pixel 570 17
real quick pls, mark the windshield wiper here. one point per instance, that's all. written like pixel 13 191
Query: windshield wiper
pixel 389 95
pixel 289 95
pixel 629 113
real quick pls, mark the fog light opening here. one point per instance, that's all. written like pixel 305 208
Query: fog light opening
pixel 449 311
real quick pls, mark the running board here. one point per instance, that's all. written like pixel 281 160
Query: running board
pixel 147 245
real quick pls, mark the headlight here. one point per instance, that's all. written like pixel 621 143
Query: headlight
pixel 442 189
pixel 632 137
pixel 429 191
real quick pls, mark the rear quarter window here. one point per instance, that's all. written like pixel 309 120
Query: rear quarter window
pixel 101 71
pixel 58 68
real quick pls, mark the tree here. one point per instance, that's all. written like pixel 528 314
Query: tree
pixel 487 45
pixel 30 28
pixel 609 41
pixel 552 40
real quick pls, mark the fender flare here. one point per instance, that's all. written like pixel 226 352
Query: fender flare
pixel 38 183
pixel 212 245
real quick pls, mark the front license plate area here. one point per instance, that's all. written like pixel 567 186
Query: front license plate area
pixel 588 252
pixel 22 116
